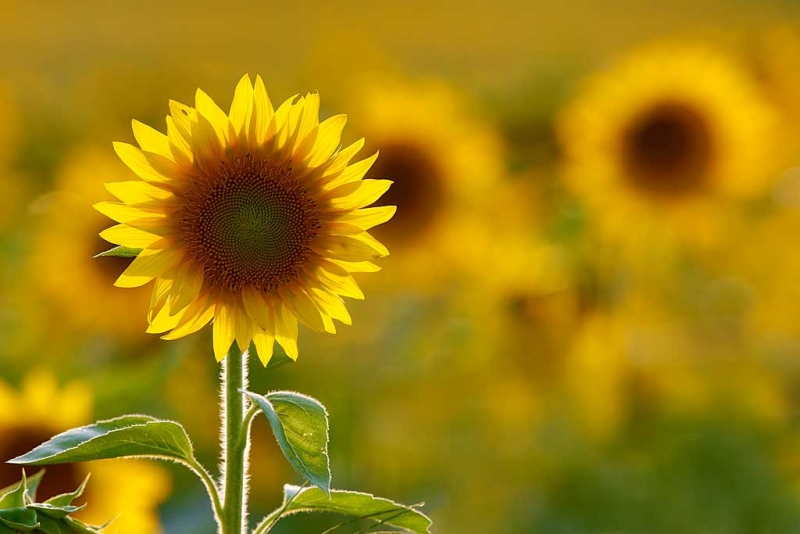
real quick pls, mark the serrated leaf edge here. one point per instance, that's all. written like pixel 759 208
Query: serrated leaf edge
pixel 327 487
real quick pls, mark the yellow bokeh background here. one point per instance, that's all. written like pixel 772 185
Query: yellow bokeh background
pixel 590 320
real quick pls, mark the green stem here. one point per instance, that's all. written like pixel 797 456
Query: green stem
pixel 234 380
pixel 211 488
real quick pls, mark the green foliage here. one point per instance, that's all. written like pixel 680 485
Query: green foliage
pixel 119 252
pixel 300 424
pixel 19 511
pixel 355 504
pixel 126 436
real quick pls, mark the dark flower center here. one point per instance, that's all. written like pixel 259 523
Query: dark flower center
pixel 667 150
pixel 249 224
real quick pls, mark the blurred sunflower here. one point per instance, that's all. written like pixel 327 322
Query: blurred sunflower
pixel 129 490
pixel 649 141
pixel 254 218
pixel 443 162
pixel 77 286
pixel 518 290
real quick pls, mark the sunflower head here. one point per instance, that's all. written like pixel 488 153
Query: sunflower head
pixel 666 125
pixel 255 219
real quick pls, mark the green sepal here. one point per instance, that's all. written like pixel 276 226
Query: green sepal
pixel 300 424
pixel 79 527
pixel 352 503
pixel 65 499
pixel 20 518
pixel 49 525
pixel 32 484
pixel 121 437
pixel 13 496
pixel 120 252
pixel 56 512
pixel 49 517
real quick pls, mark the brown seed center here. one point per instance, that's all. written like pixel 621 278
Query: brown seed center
pixel 249 224
pixel 667 150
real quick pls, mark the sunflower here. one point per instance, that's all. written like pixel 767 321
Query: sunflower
pixel 77 287
pixel 129 490
pixel 255 218
pixel 660 134
pixel 444 163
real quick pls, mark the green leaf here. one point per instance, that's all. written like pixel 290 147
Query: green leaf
pixel 300 424
pixel 352 503
pixel 19 518
pixel 126 436
pixel 119 252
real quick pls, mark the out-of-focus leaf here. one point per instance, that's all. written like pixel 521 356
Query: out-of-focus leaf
pixel 300 425
pixel 352 503
pixel 126 436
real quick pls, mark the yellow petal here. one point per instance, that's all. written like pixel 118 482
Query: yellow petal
pixel 264 341
pixel 193 318
pixel 163 321
pixel 262 114
pixel 206 144
pixel 341 159
pixel 351 173
pixel 224 332
pixel 358 266
pixel 309 119
pixel 349 248
pixel 330 305
pixel 128 236
pixel 136 191
pixel 151 140
pixel 256 307
pixel 150 167
pixel 207 108
pixel 285 121
pixel 356 195
pixel 181 149
pixel 302 307
pixel 340 228
pixel 341 285
pixel 242 107
pixel 186 286
pixel 148 265
pixel 159 297
pixel 244 328
pixel 286 330
pixel 367 218
pixel 184 117
pixel 123 213
pixel 328 139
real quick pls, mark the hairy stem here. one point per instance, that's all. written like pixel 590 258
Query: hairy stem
pixel 234 381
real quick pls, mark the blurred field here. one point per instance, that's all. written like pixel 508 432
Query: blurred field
pixel 590 320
